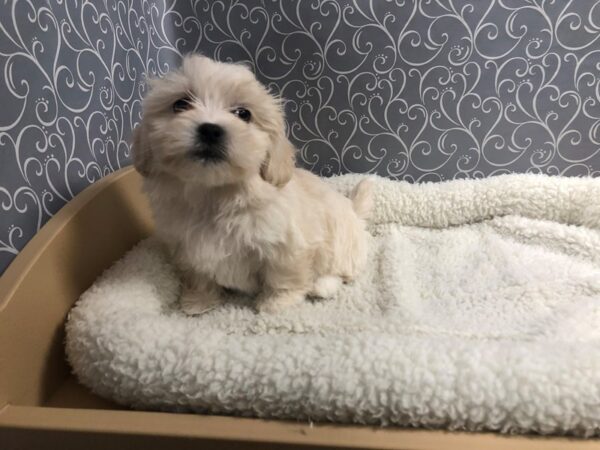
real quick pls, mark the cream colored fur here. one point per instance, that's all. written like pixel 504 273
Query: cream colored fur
pixel 252 222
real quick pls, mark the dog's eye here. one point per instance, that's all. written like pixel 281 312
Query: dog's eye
pixel 183 104
pixel 243 114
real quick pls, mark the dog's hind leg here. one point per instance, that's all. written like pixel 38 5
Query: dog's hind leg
pixel 325 286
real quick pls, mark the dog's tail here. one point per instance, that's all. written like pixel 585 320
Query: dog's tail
pixel 362 198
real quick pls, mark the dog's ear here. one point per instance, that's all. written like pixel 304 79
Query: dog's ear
pixel 278 167
pixel 142 152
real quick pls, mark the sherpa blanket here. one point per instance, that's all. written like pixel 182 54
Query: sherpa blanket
pixel 479 310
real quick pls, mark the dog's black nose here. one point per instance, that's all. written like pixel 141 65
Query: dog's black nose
pixel 210 133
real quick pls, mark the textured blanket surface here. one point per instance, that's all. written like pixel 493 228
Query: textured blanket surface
pixel 479 310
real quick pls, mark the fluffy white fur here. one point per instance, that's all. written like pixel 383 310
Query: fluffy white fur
pixel 250 222
pixel 478 309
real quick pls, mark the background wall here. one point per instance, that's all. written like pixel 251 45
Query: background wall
pixel 409 89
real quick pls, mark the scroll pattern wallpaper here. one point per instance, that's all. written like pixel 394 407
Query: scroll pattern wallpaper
pixel 418 90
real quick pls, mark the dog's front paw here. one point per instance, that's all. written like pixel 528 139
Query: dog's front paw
pixel 277 302
pixel 195 303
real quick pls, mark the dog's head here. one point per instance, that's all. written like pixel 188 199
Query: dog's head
pixel 213 124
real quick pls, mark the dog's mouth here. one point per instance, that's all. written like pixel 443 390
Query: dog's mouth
pixel 208 154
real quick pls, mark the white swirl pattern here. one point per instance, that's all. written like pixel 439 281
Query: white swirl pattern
pixel 410 89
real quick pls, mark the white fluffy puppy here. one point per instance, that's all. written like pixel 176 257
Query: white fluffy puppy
pixel 227 200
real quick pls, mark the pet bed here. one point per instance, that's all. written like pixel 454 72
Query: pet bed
pixel 479 309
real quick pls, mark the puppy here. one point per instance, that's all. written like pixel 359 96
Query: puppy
pixel 227 200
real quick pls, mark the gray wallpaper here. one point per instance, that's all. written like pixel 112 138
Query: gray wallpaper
pixel 415 90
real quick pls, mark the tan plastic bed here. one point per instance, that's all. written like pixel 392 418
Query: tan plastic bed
pixel 42 405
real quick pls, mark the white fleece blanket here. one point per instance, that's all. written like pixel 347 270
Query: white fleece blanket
pixel 479 310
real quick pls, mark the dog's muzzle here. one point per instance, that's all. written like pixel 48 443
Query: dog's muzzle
pixel 210 143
